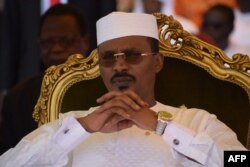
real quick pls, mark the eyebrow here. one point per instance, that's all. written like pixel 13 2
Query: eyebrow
pixel 130 50
pixel 122 50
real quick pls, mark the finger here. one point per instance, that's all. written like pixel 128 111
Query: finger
pixel 135 98
pixel 117 127
pixel 108 96
pixel 130 103
pixel 119 102
pixel 145 118
pixel 129 93
pixel 115 119
pixel 120 112
pixel 124 124
pixel 109 113
pixel 125 98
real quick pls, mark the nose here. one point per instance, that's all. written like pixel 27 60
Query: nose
pixel 117 55
pixel 56 46
pixel 120 63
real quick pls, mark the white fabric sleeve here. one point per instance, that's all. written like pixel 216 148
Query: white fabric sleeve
pixel 204 148
pixel 49 145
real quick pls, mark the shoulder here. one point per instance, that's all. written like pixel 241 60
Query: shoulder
pixel 28 84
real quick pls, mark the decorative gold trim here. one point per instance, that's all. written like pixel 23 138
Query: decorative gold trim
pixel 57 81
pixel 178 43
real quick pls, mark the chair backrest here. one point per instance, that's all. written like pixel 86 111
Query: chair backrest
pixel 195 74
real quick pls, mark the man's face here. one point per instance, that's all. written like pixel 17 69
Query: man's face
pixel 60 37
pixel 151 6
pixel 244 5
pixel 129 73
pixel 217 24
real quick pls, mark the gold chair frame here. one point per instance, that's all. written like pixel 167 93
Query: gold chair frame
pixel 174 42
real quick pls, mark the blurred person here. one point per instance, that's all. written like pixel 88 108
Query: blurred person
pixel 195 9
pixel 130 127
pixel 62 32
pixel 1 24
pixel 241 32
pixel 19 56
pixel 152 6
pixel 207 38
pixel 218 23
pixel 166 7
pixel 1 13
pixel 125 5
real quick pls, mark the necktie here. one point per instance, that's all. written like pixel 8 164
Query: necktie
pixel 53 2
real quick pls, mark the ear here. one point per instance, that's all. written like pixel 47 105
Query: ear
pixel 159 62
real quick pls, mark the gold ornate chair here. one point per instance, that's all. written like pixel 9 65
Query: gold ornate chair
pixel 195 74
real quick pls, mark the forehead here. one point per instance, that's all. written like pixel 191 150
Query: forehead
pixel 61 24
pixel 217 15
pixel 139 43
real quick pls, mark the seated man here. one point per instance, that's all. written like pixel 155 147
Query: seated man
pixel 218 23
pixel 120 132
pixel 62 33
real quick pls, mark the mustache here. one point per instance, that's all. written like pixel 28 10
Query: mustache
pixel 121 74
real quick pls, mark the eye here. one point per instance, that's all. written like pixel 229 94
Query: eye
pixel 108 56
pixel 65 40
pixel 46 42
pixel 132 54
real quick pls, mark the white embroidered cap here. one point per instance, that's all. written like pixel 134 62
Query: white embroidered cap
pixel 121 24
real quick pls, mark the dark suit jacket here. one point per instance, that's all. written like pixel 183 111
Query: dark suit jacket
pixel 19 56
pixel 17 112
pixel 20 59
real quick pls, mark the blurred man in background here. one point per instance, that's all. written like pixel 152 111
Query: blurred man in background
pixel 218 23
pixel 19 56
pixel 241 32
pixel 63 32
pixel 165 7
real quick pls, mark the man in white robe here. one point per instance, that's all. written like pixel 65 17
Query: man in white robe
pixel 124 129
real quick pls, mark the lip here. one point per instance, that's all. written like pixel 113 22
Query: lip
pixel 122 81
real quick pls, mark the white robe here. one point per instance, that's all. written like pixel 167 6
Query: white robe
pixel 193 138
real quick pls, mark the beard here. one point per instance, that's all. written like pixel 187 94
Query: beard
pixel 122 80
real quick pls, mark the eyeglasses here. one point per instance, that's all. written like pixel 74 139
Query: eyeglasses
pixel 64 42
pixel 131 57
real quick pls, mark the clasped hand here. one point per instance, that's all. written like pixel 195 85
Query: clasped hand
pixel 118 111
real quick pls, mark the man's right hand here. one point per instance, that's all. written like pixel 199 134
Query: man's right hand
pixel 112 115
